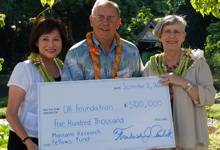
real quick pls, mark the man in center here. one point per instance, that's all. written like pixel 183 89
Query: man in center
pixel 103 54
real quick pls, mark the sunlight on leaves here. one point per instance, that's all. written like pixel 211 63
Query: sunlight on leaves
pixel 2 20
pixel 212 7
pixel 49 2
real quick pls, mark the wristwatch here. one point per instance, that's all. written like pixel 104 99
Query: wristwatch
pixel 188 86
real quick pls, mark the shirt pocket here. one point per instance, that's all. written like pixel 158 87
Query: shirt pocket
pixel 125 73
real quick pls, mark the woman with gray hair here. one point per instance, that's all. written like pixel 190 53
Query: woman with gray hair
pixel 190 83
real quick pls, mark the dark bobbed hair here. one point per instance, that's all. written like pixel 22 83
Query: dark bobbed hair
pixel 44 25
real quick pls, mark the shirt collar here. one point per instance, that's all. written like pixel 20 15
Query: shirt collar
pixel 97 44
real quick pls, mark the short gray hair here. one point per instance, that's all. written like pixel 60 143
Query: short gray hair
pixel 104 3
pixel 169 20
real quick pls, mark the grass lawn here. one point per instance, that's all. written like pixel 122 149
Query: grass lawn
pixel 3 101
pixel 2 112
pixel 214 111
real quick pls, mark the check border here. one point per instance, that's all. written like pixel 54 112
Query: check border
pixel 127 113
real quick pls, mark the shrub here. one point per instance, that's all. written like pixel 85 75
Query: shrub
pixel 215 139
pixel 1 62
pixel 4 133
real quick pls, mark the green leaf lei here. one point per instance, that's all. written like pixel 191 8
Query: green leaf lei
pixel 34 57
pixel 159 67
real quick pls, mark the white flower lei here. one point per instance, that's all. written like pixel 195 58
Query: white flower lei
pixel 195 55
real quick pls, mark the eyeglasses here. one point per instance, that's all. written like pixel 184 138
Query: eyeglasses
pixel 101 18
pixel 169 33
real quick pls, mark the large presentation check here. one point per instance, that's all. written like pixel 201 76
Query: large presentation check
pixel 110 114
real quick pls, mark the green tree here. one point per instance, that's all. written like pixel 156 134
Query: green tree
pixel 138 23
pixel 2 20
pixel 1 62
pixel 75 13
pixel 212 48
pixel 196 26
pixel 207 7
pixel 49 2
pixel 2 24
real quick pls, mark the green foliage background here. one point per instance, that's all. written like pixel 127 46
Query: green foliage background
pixel 1 62
pixel 15 29
pixel 212 49
pixel 207 7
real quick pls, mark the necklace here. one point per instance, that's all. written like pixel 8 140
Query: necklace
pixel 94 52
pixel 173 67
pixel 37 60
pixel 159 66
